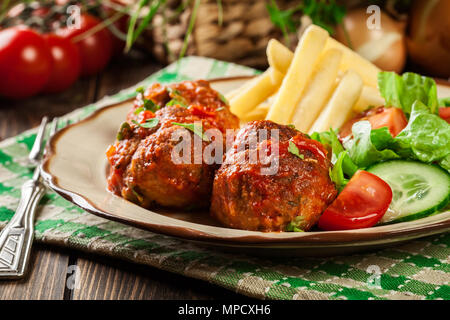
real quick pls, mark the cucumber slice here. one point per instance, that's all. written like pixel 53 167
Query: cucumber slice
pixel 418 189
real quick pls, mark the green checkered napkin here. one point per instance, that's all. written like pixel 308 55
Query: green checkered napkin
pixel 417 270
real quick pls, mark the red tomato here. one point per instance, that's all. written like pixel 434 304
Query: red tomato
pixel 361 204
pixel 95 50
pixel 444 113
pixel 66 63
pixel 393 118
pixel 25 63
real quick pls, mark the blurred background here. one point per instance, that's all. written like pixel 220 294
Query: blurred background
pixel 56 55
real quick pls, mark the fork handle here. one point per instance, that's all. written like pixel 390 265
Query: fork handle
pixel 17 237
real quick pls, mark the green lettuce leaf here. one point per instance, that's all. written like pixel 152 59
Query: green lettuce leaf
pixel 426 137
pixel 445 163
pixel 369 146
pixel 343 167
pixel 403 91
pixel 444 102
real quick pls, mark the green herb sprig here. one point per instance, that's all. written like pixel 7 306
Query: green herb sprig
pixel 196 128
pixel 294 150
pixel 148 124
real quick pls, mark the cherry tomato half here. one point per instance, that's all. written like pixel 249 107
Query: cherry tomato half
pixel 444 113
pixel 361 204
pixel 95 50
pixel 393 118
pixel 25 63
pixel 66 63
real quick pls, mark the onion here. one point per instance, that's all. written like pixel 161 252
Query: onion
pixel 429 36
pixel 385 47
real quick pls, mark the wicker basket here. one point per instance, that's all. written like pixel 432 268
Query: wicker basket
pixel 241 37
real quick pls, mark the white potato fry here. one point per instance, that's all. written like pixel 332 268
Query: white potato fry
pixel 279 56
pixel 318 90
pixel 259 113
pixel 370 97
pixel 340 105
pixel 255 92
pixel 305 58
pixel 352 60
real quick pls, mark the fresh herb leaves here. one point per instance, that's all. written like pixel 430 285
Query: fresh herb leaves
pixel 294 150
pixel 324 13
pixel 296 225
pixel 148 104
pixel 174 102
pixel 196 128
pixel 148 124
pixel 177 98
pixel 223 99
pixel 124 127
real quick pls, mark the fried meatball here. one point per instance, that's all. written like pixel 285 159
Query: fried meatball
pixel 297 192
pixel 142 167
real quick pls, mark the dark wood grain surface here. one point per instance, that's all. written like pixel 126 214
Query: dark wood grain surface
pixel 100 277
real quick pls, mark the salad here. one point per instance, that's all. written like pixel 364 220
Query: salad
pixel 391 164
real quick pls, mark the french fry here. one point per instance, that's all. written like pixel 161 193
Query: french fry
pixel 255 92
pixel 370 97
pixel 340 105
pixel 259 113
pixel 352 60
pixel 318 90
pixel 305 57
pixel 279 56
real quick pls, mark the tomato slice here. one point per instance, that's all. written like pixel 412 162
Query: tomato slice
pixel 393 118
pixel 361 204
pixel 444 113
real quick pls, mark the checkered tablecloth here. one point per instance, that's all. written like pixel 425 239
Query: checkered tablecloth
pixel 417 270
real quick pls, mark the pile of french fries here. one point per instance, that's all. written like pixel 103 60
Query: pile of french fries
pixel 317 87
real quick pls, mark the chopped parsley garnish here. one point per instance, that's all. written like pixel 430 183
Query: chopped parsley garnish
pixel 222 97
pixel 139 110
pixel 139 197
pixel 196 128
pixel 176 102
pixel 292 126
pixel 295 225
pixel 177 98
pixel 148 124
pixel 148 104
pixel 123 127
pixel 294 150
pixel 140 90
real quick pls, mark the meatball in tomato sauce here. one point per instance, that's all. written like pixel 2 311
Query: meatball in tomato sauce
pixel 142 168
pixel 248 196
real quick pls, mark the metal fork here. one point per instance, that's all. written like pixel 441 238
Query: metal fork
pixel 17 237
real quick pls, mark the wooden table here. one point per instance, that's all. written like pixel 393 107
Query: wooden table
pixel 101 277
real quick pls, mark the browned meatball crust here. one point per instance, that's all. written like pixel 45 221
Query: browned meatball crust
pixel 142 167
pixel 245 198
